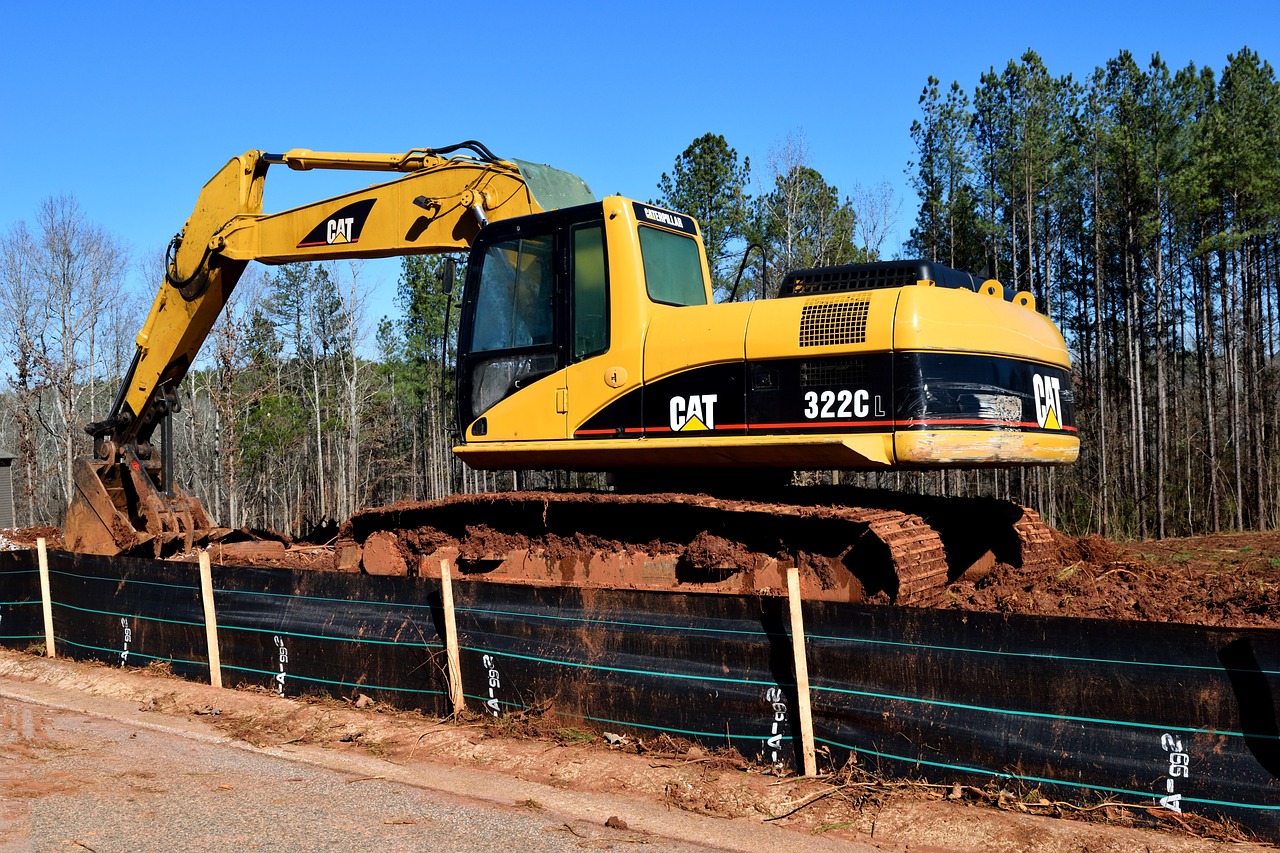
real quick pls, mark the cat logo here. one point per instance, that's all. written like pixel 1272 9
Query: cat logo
pixel 1048 396
pixel 695 412
pixel 341 226
pixel 339 230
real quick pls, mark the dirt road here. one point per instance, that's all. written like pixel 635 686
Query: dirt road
pixel 83 772
pixel 74 781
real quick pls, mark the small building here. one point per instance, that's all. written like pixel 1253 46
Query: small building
pixel 8 520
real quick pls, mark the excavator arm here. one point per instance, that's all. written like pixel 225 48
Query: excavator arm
pixel 125 496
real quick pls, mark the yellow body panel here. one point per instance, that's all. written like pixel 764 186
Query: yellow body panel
pixel 935 318
pixel 599 381
pixel 776 324
pixel 396 225
pixel 533 413
pixel 694 336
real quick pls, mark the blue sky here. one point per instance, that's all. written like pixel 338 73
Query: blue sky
pixel 131 107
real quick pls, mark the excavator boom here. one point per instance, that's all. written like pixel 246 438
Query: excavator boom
pixel 126 496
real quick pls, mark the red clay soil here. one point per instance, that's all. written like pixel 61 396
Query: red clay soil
pixel 269 554
pixel 25 537
pixel 1228 580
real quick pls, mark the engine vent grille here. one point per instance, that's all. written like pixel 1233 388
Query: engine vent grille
pixel 834 322
pixel 826 281
pixel 817 282
pixel 840 371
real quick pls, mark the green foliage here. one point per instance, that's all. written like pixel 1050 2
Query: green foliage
pixel 422 297
pixel 415 397
pixel 803 223
pixel 1142 209
pixel 947 228
pixel 307 312
pixel 574 735
pixel 273 426
pixel 425 334
pixel 709 183
pixel 264 346
pixel 1244 127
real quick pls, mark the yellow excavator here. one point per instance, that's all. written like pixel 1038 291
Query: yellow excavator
pixel 589 340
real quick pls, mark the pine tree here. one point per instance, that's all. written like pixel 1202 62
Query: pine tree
pixel 709 183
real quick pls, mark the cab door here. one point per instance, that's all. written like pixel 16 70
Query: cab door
pixel 511 381
pixel 594 377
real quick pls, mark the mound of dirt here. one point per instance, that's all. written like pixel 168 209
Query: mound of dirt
pixel 1230 580
pixel 25 537
pixel 1085 549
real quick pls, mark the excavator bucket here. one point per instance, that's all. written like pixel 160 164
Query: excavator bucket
pixel 94 525
pixel 117 509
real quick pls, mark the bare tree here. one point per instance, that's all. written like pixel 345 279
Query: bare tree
pixel 77 267
pixel 878 208
pixel 355 389
pixel 215 431
pixel 781 199
pixel 800 217
pixel 19 313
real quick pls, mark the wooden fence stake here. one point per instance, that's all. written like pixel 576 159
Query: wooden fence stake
pixel 804 708
pixel 210 620
pixel 45 597
pixel 451 639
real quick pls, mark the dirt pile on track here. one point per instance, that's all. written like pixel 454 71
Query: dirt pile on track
pixel 1230 580
pixel 686 542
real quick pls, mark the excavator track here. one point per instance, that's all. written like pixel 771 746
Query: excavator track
pixel 1035 539
pixel 919 559
pixel 679 542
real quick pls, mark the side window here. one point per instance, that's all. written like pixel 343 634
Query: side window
pixel 590 292
pixel 515 304
pixel 672 269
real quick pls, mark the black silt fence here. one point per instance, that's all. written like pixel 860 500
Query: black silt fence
pixel 21 619
pixel 1155 715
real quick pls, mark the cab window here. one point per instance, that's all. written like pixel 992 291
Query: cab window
pixel 672 267
pixel 515 304
pixel 590 292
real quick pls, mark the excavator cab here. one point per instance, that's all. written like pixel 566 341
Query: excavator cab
pixel 555 307
pixel 536 301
